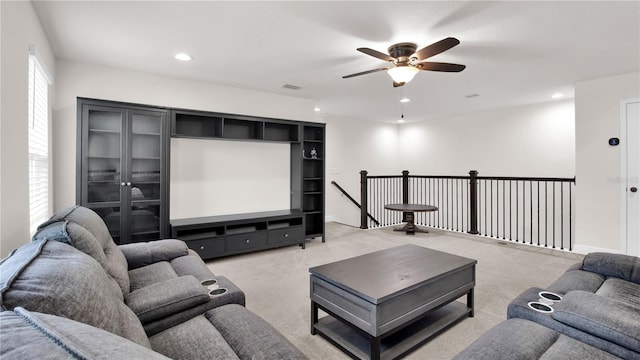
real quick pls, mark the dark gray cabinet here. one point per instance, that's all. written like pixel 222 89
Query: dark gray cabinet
pixel 122 154
pixel 217 236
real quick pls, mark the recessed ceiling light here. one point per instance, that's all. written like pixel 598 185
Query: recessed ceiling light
pixel 557 95
pixel 316 109
pixel 400 121
pixel 183 57
pixel 405 100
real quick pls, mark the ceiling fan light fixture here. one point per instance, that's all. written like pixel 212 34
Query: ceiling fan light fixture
pixel 402 73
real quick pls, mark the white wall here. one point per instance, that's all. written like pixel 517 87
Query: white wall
pixel 81 80
pixel 352 146
pixel 533 140
pixel 598 164
pixel 19 29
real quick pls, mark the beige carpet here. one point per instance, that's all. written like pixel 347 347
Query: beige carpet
pixel 276 282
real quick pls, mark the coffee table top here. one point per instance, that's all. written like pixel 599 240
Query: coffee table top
pixel 384 274
pixel 410 207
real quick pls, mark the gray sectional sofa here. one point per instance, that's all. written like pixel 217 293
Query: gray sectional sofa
pixel 73 293
pixel 596 315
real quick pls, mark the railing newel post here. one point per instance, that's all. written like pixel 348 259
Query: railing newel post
pixel 405 191
pixel 363 199
pixel 473 202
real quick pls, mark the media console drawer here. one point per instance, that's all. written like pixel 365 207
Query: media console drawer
pixel 246 241
pixel 289 235
pixel 207 248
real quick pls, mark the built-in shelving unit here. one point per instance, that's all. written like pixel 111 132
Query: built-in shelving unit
pixel 213 237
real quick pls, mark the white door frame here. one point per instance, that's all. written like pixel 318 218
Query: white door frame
pixel 624 179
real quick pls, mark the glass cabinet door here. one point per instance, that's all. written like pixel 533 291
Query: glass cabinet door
pixel 145 171
pixel 102 172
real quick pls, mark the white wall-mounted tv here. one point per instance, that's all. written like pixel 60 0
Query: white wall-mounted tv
pixel 217 177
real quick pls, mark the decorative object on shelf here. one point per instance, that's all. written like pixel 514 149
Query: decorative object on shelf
pixel 314 153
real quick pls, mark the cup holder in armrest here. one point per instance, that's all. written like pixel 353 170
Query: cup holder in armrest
pixel 540 307
pixel 217 292
pixel 553 297
pixel 208 282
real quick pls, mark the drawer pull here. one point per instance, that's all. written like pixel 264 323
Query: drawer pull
pixel 201 247
pixel 247 241
pixel 286 235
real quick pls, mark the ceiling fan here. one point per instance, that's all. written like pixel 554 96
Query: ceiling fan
pixel 406 61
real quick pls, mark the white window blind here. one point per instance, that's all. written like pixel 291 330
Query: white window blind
pixel 38 143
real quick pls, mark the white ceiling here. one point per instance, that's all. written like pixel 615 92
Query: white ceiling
pixel 516 52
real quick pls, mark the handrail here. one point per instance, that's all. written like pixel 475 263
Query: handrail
pixel 343 191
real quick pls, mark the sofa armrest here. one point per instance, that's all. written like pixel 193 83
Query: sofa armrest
pixel 147 253
pixel 166 298
pixel 622 266
pixel 606 318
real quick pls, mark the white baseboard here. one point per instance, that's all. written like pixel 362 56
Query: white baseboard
pixel 585 249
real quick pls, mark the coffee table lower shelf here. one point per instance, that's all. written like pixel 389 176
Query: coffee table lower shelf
pixel 358 344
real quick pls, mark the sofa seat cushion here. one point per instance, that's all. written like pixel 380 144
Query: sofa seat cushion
pixel 622 290
pixel 55 278
pixel 151 274
pixel 166 298
pixel 249 336
pixel 609 319
pixel 32 335
pixel 518 339
pixel 193 339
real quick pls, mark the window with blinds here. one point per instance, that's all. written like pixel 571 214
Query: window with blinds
pixel 38 143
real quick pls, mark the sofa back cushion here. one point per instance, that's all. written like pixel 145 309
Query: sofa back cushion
pixel 83 229
pixel 55 278
pixel 622 266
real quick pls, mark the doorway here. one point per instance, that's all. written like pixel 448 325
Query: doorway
pixel 630 176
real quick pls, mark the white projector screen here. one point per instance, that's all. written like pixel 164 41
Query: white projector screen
pixel 216 177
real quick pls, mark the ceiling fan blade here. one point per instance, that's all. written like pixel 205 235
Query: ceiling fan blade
pixel 376 54
pixel 436 48
pixel 365 72
pixel 438 66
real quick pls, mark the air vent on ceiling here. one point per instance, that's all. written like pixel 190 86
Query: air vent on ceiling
pixel 291 87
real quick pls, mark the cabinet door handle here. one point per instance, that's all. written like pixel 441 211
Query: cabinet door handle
pixel 128 183
pixel 247 241
pixel 201 247
pixel 633 189
pixel 123 184
pixel 286 234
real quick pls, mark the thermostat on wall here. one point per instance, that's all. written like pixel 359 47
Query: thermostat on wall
pixel 614 141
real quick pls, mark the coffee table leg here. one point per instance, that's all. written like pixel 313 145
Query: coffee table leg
pixel 314 317
pixel 470 301
pixel 375 348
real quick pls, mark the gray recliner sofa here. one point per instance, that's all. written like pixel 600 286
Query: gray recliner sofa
pixel 149 297
pixel 596 315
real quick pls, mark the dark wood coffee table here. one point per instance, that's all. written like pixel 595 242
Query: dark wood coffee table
pixel 385 304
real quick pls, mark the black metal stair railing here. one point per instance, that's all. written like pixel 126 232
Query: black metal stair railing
pixel 533 210
pixel 345 193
